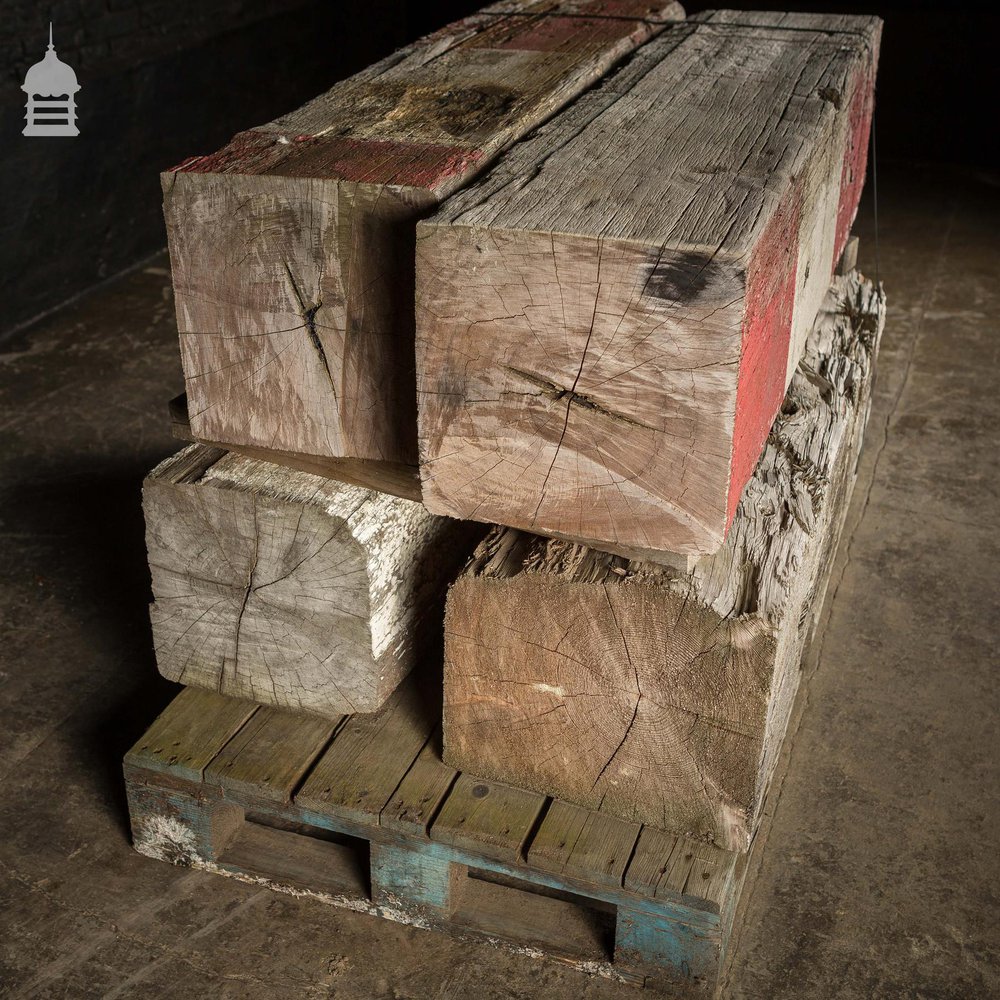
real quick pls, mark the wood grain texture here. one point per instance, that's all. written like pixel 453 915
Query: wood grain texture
pixel 668 867
pixel 186 737
pixel 370 756
pixel 488 818
pixel 607 320
pixel 292 247
pixel 584 843
pixel 288 589
pixel 661 694
pixel 417 799
pixel 270 754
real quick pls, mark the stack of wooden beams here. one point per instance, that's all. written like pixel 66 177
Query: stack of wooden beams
pixel 534 341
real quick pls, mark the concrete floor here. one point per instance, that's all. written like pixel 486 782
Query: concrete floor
pixel 880 872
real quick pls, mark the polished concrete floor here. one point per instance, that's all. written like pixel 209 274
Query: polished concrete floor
pixel 880 871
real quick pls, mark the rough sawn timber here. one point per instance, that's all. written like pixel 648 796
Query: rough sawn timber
pixel 396 478
pixel 288 589
pixel 292 247
pixel 662 694
pixel 607 321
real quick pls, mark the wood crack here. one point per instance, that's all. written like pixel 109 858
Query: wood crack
pixel 308 314
pixel 557 392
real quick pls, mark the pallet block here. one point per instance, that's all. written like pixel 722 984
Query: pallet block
pixel 363 814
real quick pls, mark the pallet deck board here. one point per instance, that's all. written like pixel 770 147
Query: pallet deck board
pixel 487 816
pixel 185 739
pixel 270 754
pixel 370 757
pixel 366 815
pixel 421 792
pixel 581 842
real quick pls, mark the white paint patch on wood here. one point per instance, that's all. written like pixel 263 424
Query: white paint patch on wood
pixel 166 838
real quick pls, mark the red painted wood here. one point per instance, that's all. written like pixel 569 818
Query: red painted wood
pixel 250 152
pixel 378 161
pixel 767 328
pixel 591 25
pixel 363 161
pixel 852 177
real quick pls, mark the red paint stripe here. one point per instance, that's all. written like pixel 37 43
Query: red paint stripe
pixel 249 152
pixel 767 330
pixel 852 177
pixel 643 9
pixel 363 161
pixel 590 25
pixel 378 161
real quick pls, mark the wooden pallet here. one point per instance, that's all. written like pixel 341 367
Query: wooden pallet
pixel 363 814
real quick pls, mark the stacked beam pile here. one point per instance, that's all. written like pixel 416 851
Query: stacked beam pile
pixel 573 349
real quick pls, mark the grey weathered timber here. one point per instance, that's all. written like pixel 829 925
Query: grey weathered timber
pixel 289 589
pixel 661 694
pixel 292 247
pixel 608 320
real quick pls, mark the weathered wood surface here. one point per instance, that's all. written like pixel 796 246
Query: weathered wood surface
pixel 395 478
pixel 312 808
pixel 289 589
pixel 292 247
pixel 607 321
pixel 662 694
pixel 183 741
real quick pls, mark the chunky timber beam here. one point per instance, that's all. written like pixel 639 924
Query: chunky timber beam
pixel 607 321
pixel 395 478
pixel 288 589
pixel 292 247
pixel 662 694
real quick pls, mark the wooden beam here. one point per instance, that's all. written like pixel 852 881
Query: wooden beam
pixel 661 695
pixel 291 590
pixel 608 320
pixel 292 247
pixel 394 478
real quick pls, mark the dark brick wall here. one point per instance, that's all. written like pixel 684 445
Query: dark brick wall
pixel 161 80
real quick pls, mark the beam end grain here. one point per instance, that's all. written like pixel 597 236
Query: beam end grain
pixel 292 247
pixel 291 590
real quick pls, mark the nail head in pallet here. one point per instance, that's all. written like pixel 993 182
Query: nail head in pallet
pixel 292 247
pixel 607 320
pixel 364 814
pixel 290 589
pixel 661 694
